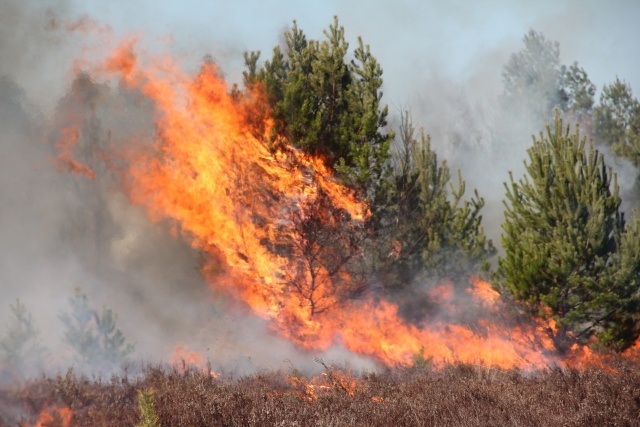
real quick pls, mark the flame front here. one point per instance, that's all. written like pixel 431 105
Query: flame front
pixel 211 175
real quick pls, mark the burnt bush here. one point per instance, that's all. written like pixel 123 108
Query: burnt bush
pixel 458 395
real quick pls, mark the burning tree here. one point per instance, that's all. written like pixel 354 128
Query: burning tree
pixel 326 106
pixel 277 231
pixel 568 250
pixel 325 251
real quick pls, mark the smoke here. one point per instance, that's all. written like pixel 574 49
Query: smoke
pixel 62 231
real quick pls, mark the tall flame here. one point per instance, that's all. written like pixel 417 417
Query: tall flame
pixel 237 200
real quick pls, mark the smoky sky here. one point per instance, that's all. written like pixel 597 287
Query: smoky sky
pixel 441 61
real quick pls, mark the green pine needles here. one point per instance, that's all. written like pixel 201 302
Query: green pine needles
pixel 94 336
pixel 568 249
pixel 147 405
pixel 326 105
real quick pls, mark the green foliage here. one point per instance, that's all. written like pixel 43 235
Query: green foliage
pixel 93 336
pixel 326 106
pixel 567 247
pixel 577 92
pixel 20 347
pixel 617 120
pixel 423 220
pixel 419 361
pixel 535 81
pixel 147 405
pixel 534 75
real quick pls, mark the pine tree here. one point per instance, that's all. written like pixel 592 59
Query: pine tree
pixel 532 77
pixel 577 94
pixel 325 245
pixel 147 406
pixel 569 253
pixel 364 164
pixel 536 82
pixel 423 220
pixel 93 336
pixel 326 106
pixel 20 348
pixel 617 120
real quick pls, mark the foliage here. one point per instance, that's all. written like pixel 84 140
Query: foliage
pixel 147 405
pixel 535 81
pixel 617 120
pixel 422 219
pixel 325 249
pixel 534 74
pixel 419 361
pixel 455 396
pixel 567 246
pixel 324 105
pixel 20 347
pixel 93 336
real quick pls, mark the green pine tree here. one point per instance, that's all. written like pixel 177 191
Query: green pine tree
pixel 20 348
pixel 423 221
pixel 94 336
pixel 536 82
pixel 569 253
pixel 326 106
pixel 532 77
pixel 577 94
pixel 147 405
pixel 617 120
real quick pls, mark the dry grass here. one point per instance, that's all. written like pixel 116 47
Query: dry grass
pixel 459 395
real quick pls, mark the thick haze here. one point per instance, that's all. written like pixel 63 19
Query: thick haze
pixel 442 61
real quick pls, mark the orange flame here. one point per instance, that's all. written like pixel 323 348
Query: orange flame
pixel 182 357
pixel 65 160
pixel 236 201
pixel 52 415
pixel 332 381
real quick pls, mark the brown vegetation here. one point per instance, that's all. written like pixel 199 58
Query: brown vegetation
pixel 459 395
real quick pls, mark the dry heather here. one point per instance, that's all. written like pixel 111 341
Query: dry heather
pixel 460 395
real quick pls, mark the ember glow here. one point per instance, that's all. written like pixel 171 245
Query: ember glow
pixel 210 173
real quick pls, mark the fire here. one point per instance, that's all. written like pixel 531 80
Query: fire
pixel 242 204
pixel 332 381
pixel 52 415
pixel 182 357
pixel 65 160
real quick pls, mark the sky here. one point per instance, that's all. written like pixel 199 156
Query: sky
pixel 466 41
pixel 439 58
